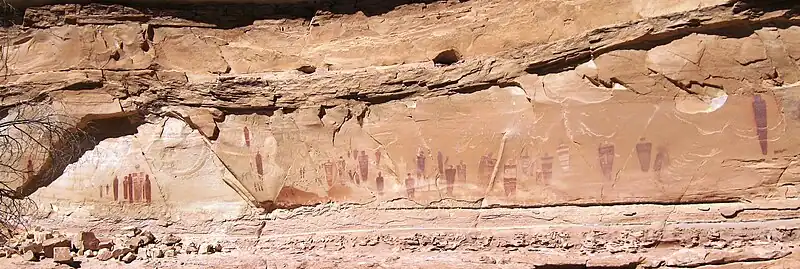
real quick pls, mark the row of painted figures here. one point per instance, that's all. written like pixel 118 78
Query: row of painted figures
pixel 526 166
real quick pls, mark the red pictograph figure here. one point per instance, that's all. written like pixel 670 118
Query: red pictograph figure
pixel 246 136
pixel 661 162
pixel 526 165
pixel 547 168
pixel 462 172
pixel 563 157
pixel 485 167
pixel 101 191
pixel 410 186
pixel 116 189
pixel 355 155
pixel 440 162
pixel 340 168
pixel 760 114
pixel 379 183
pixel 377 157
pixel 259 165
pixel 29 171
pixel 363 166
pixel 108 191
pixel 644 152
pixel 328 167
pixel 125 190
pixel 450 179
pixel 421 167
pixel 131 192
pixel 147 189
pixel 606 159
pixel 510 178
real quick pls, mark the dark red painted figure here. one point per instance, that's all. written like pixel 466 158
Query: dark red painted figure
pixel 101 191
pixel 340 168
pixel 259 165
pixel 462 172
pixel 147 195
pixel 377 157
pixel 130 189
pixel 450 179
pixel 379 183
pixel 116 189
pixel 440 162
pixel 410 186
pixel 421 166
pixel 760 114
pixel 661 162
pixel 125 190
pixel 644 152
pixel 606 158
pixel 363 166
pixel 30 170
pixel 328 167
pixel 246 136
pixel 547 168
pixel 510 178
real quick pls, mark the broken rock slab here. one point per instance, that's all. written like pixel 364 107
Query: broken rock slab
pixel 50 244
pixel 104 254
pixel 86 241
pixel 62 255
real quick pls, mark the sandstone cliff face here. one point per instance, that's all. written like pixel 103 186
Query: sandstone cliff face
pixel 445 104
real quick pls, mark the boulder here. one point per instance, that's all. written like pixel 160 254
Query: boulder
pixel 62 255
pixel 170 240
pixel 129 257
pixel 86 240
pixel 170 252
pixel 30 256
pixel 147 237
pixel 49 244
pixel 106 243
pixel 155 253
pixel 34 247
pixel 205 248
pixel 40 237
pixel 135 242
pixel 104 254
pixel 120 252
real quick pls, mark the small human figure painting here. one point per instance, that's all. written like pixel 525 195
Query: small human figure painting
pixel 526 165
pixel 644 152
pixel 410 186
pixel 450 178
pixel 547 168
pixel 563 157
pixel 606 158
pixel 259 165
pixel 29 170
pixel 115 185
pixel 379 183
pixel 363 166
pixel 420 167
pixel 246 136
pixel 377 157
pixel 328 168
pixel 440 163
pixel 462 172
pixel 340 169
pixel 510 178
pixel 760 114
pixel 661 162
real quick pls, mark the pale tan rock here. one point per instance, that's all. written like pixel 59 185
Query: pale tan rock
pixel 50 244
pixel 62 255
pixel 105 254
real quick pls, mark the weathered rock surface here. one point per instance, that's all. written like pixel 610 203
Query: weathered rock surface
pixel 645 133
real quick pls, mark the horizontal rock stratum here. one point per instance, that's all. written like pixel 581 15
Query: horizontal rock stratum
pixel 668 125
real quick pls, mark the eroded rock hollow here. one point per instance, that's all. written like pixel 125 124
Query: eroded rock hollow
pixel 482 133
